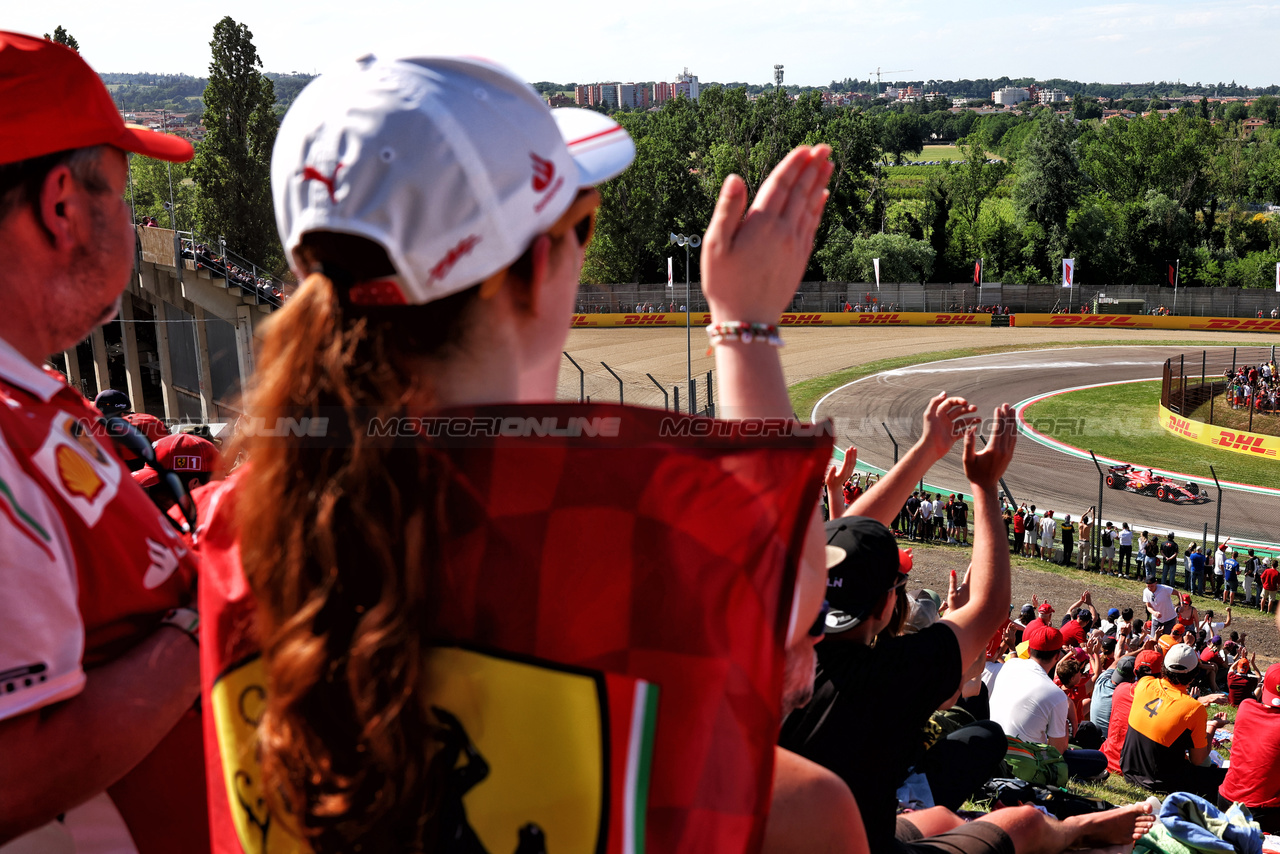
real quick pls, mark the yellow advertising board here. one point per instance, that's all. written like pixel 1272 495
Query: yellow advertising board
pixel 841 318
pixel 1255 444
pixel 1147 321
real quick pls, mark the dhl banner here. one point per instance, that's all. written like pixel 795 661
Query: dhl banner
pixel 1220 437
pixel 841 318
pixel 1147 321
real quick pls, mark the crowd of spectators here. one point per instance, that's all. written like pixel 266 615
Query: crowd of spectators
pixel 205 258
pixel 1254 387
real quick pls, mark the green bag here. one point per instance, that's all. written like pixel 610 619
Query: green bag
pixel 1040 764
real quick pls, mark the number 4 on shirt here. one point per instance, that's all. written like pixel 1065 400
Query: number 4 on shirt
pixel 1153 706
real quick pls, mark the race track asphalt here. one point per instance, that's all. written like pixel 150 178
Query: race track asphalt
pixel 1048 478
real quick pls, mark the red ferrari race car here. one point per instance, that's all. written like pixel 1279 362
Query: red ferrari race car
pixel 1144 482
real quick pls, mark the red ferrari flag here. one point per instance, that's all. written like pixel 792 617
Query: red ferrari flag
pixel 977 272
pixel 611 606
pixel 1173 275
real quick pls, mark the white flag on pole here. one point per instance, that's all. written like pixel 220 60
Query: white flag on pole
pixel 671 282
pixel 1068 272
pixel 1278 278
pixel 875 262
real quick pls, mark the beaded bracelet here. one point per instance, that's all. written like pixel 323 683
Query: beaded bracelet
pixel 737 330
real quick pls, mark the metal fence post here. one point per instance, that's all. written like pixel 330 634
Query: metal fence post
pixel 893 440
pixel 711 398
pixel 582 378
pixel 1095 534
pixel 676 392
pixel 1217 519
pixel 1203 356
pixel 616 377
pixel 693 397
pixel 666 402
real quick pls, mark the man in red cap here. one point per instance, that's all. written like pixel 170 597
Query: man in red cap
pixel 1045 614
pixel 98 660
pixel 1254 776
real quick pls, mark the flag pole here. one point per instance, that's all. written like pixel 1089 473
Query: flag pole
pixel 1177 274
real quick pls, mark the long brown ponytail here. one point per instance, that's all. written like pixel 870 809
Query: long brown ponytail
pixel 338 535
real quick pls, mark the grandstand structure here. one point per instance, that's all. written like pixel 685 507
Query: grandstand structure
pixel 182 346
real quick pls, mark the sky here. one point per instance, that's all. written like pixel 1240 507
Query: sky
pixel 718 40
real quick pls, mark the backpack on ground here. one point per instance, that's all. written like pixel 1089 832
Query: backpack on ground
pixel 1012 792
pixel 1040 764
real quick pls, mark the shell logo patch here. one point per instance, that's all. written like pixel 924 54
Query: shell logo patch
pixel 77 474
pixel 78 469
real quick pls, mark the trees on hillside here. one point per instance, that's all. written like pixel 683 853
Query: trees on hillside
pixel 61 36
pixel 232 165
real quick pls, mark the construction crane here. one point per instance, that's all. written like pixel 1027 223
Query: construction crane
pixel 878 72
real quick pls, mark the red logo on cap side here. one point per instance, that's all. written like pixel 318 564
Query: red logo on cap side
pixel 313 174
pixel 544 171
pixel 452 257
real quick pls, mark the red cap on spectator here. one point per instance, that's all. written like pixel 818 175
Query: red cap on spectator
pixel 1152 659
pixel 1046 608
pixel 145 476
pixel 38 78
pixel 1186 598
pixel 148 425
pixel 1043 638
pixel 184 452
pixel 1271 686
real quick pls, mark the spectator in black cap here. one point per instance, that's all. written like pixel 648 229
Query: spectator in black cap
pixel 843 731
pixel 112 402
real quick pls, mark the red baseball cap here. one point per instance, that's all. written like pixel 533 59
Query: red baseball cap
pixel 38 79
pixel 1271 686
pixel 1046 608
pixel 148 425
pixel 185 452
pixel 1043 638
pixel 1152 659
pixel 145 476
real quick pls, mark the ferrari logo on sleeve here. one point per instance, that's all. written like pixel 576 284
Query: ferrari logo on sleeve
pixel 545 758
pixel 79 470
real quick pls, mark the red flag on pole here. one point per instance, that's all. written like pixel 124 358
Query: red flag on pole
pixel 1173 276
pixel 977 272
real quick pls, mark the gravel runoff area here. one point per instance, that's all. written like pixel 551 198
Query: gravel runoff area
pixel 817 351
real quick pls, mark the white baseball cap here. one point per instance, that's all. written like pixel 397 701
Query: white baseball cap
pixel 1181 658
pixel 452 165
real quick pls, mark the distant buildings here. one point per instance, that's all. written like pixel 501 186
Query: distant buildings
pixel 1052 96
pixel 1010 95
pixel 636 96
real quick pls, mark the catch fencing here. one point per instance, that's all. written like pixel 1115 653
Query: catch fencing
pixel 1194 385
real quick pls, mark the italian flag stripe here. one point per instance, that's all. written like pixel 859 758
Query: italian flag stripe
pixel 644 717
pixel 23 520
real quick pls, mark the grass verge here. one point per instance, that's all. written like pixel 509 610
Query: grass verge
pixel 806 393
pixel 1088 419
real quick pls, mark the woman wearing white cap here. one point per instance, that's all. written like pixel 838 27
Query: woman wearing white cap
pixel 472 614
